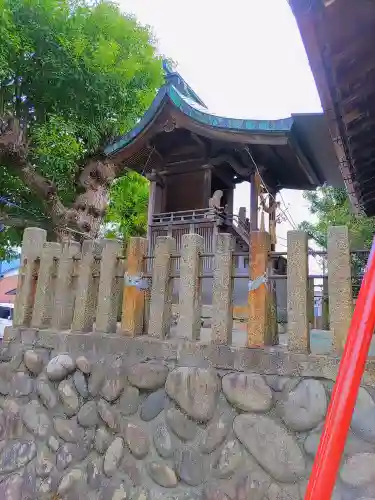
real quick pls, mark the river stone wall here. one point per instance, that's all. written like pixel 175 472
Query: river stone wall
pixel 96 418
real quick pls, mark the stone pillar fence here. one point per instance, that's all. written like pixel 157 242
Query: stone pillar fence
pixel 78 288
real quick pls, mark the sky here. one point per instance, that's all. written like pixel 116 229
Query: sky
pixel 244 58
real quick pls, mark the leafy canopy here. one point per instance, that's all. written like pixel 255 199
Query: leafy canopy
pixel 331 207
pixel 78 73
pixel 127 211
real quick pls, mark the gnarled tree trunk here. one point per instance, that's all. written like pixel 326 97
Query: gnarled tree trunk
pixel 84 217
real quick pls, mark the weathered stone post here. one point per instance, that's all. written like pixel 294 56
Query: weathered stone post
pixel 189 322
pixel 32 247
pixel 134 299
pixel 86 294
pixel 106 314
pixel 310 301
pixel 62 314
pixel 297 289
pixel 162 287
pixel 222 307
pixel 339 285
pixel 45 292
pixel 258 333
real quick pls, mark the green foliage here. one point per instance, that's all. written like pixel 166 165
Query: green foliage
pixel 331 207
pixel 127 211
pixel 77 73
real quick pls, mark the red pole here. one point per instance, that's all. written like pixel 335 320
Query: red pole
pixel 327 461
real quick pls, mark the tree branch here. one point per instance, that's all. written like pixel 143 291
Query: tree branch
pixel 13 221
pixel 97 174
pixel 13 155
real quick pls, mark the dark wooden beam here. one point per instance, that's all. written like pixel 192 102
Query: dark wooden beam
pixel 303 161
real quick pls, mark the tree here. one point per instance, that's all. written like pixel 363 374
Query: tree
pixel 127 210
pixel 331 207
pixel 74 74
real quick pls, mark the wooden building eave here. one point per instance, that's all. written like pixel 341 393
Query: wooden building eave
pixel 339 37
pixel 284 147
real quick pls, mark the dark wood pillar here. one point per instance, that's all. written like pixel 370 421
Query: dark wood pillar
pixel 155 198
pixel 230 196
pixel 253 204
pixel 272 218
pixel 207 185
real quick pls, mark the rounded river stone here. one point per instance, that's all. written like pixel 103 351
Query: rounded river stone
pixel 359 470
pixel 94 470
pixel 181 425
pixel 153 405
pixel 46 392
pixel 83 364
pixel 69 397
pixel 36 419
pixel 60 366
pixel 137 440
pixel 132 468
pixel 163 441
pixel 247 391
pixel 71 480
pixel 103 439
pixel 16 454
pixel 96 379
pixel 216 432
pixel 212 492
pixel 21 385
pixel 68 430
pixel 195 390
pixel 33 361
pixel 148 376
pixel 363 420
pixel 112 386
pixel 11 425
pixel 113 456
pixel 11 487
pixel 44 463
pixel 304 407
pixel 162 474
pixel 107 414
pixel 272 447
pixel 129 400
pixel 80 384
pixel 229 459
pixel 88 415
pixel 189 466
pixel 353 444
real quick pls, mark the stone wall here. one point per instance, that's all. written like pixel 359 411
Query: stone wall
pixel 90 416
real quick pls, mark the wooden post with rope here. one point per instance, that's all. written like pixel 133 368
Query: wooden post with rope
pixel 259 329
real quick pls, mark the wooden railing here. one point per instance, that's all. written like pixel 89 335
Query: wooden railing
pixel 80 288
pixel 185 216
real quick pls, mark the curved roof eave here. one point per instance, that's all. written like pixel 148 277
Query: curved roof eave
pixel 198 113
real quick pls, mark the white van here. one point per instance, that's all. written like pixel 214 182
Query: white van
pixel 6 317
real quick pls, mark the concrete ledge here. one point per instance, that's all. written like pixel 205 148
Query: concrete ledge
pixel 179 352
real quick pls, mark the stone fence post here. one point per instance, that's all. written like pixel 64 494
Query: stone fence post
pixel 190 297
pixel 32 247
pixel 339 285
pixel 162 287
pixel 45 289
pixel 298 292
pixel 109 287
pixel 222 288
pixel 87 290
pixel 62 314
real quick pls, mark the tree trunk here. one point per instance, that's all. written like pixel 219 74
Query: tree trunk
pixel 84 218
